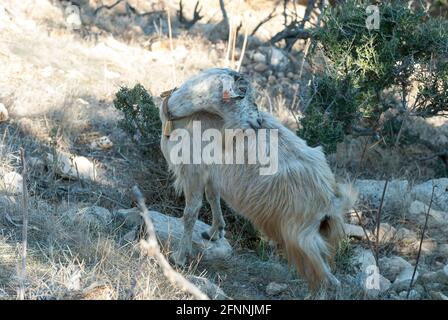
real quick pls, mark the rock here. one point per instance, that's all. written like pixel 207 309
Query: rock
pixel 92 216
pixel 406 236
pixel 443 250
pixel 102 143
pixel 369 278
pixel 129 217
pixel 4 115
pixel 261 67
pixel 72 18
pixel 386 233
pixel 354 231
pixel 391 267
pixel 408 242
pixel 413 295
pixel 440 277
pixel 417 213
pixel 363 259
pixel 437 295
pixel 13 183
pixel 278 59
pixel 170 229
pixel 275 288
pixel 374 288
pixel 206 286
pixel 403 279
pixel 72 167
pixel 36 163
pixel 259 57
pixel 422 192
pixel 272 79
pixel 290 75
pixel 353 217
pixel 372 191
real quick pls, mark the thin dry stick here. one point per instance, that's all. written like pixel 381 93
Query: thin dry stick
pixel 24 226
pixel 234 36
pixel 421 242
pixel 243 50
pixel 378 222
pixel 229 44
pixel 151 247
pixel 366 234
pixel 170 35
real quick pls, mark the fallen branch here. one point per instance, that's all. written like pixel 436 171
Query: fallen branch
pixel 421 242
pixel 151 247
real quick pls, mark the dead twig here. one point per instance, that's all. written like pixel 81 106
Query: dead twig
pixel 265 20
pixel 378 222
pixel 24 226
pixel 421 243
pixel 366 234
pixel 151 247
pixel 196 15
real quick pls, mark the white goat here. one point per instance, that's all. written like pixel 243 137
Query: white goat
pixel 300 207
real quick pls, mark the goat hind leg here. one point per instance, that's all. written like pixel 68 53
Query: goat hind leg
pixel 218 223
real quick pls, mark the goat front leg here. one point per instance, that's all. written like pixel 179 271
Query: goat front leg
pixel 193 203
pixel 218 224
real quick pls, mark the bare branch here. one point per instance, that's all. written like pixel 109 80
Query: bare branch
pixel 265 20
pixel 151 247
pixel 196 15
pixel 24 226
pixel 378 222
pixel 421 242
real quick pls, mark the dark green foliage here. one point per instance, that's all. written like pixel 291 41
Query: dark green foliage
pixel 141 116
pixel 365 68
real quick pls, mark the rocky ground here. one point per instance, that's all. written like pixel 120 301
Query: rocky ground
pixel 58 80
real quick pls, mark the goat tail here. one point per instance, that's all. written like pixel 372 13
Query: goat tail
pixel 332 226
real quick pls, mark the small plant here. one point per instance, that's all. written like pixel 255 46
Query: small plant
pixel 402 66
pixel 141 116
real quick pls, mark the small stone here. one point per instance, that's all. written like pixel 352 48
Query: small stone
pixel 72 167
pixel 290 75
pixel 275 288
pixel 403 280
pixel 413 295
pixel 354 231
pixel 102 143
pixel 272 79
pixel 206 286
pixel 96 215
pixel 4 115
pixel 386 233
pixel 417 213
pixel 259 57
pixel 261 67
pixel 437 295
pixel 13 183
pixel 391 267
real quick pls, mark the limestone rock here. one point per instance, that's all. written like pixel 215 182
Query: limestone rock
pixel 261 67
pixel 417 213
pixel 4 115
pixel 422 192
pixel 259 57
pixel 386 233
pixel 72 167
pixel 275 288
pixel 372 191
pixel 206 286
pixel 354 231
pixel 170 229
pixel 391 267
pixel 12 183
pixel 403 279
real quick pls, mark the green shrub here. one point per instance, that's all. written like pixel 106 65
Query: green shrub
pixel 370 71
pixel 140 115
